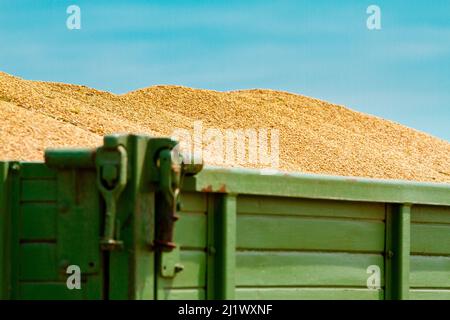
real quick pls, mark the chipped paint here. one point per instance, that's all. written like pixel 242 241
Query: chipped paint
pixel 223 188
pixel 207 189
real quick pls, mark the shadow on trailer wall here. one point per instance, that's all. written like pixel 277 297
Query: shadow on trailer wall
pixel 128 221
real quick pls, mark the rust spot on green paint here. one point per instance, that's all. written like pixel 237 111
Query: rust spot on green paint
pixel 93 154
pixel 223 188
pixel 207 189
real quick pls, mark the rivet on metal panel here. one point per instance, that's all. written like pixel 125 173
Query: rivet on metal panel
pixel 63 264
pixel 64 207
pixel 15 166
pixel 170 264
pixel 179 267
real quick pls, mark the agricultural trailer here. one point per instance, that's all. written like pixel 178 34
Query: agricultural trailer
pixel 131 221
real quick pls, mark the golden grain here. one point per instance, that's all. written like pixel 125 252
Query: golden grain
pixel 315 136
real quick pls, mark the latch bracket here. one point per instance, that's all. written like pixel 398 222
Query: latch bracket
pixel 170 264
pixel 111 163
pixel 168 190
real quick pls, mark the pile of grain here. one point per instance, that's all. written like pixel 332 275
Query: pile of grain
pixel 315 136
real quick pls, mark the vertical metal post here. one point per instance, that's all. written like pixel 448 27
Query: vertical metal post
pixel 403 249
pixel 398 253
pixel 225 248
pixel 15 186
pixel 211 248
pixel 132 269
pixel 4 237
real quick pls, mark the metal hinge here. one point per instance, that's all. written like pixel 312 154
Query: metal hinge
pixel 171 170
pixel 168 192
pixel 169 166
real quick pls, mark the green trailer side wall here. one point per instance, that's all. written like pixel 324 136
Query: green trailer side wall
pixel 241 234
pixel 55 224
pixel 291 248
pixel 318 237
pixel 308 248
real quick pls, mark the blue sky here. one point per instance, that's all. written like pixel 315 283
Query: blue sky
pixel 317 48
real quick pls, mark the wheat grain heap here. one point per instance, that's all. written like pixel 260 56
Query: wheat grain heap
pixel 315 136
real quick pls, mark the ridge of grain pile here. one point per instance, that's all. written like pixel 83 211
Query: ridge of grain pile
pixel 315 136
pixel 25 134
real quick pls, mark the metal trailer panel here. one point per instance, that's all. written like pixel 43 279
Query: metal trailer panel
pixel 242 234
pixel 54 224
pixel 296 235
